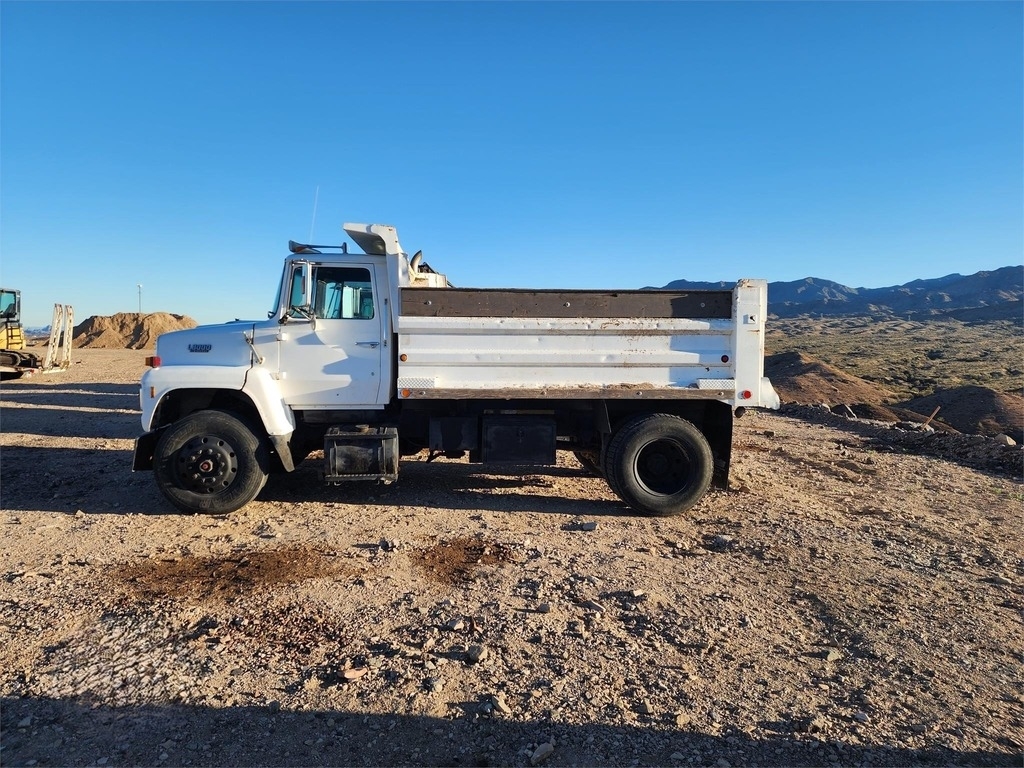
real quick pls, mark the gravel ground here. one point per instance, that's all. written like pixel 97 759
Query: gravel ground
pixel 850 601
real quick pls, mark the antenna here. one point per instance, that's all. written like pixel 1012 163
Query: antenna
pixel 140 297
pixel 316 197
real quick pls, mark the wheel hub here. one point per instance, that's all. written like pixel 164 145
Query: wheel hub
pixel 207 464
pixel 663 467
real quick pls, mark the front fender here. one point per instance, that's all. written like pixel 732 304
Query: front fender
pixel 255 383
pixel 158 383
pixel 257 386
pixel 263 390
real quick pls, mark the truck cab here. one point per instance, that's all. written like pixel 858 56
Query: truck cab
pixel 13 335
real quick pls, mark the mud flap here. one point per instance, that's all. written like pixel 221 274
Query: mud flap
pixel 717 428
pixel 145 446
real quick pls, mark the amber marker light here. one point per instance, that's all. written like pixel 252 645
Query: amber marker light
pixel 403 358
pixel 406 393
pixel 152 392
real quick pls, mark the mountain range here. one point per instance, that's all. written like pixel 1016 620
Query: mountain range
pixel 994 295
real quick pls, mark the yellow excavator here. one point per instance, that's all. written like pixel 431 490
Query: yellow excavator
pixel 15 359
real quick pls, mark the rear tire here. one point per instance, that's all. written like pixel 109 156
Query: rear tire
pixel 211 462
pixel 659 464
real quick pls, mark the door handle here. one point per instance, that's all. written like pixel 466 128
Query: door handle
pixel 370 344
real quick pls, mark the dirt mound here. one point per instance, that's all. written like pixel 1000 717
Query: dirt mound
pixel 894 415
pixel 128 330
pixel 977 410
pixel 802 379
pixel 903 436
pixel 224 577
pixel 454 562
pixel 799 378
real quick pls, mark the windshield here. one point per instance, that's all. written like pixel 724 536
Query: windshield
pixel 277 296
pixel 8 305
pixel 277 302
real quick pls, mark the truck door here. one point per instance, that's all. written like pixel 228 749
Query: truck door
pixel 332 346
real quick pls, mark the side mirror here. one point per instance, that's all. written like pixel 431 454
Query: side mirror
pixel 304 312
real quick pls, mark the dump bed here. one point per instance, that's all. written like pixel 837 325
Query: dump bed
pixel 501 344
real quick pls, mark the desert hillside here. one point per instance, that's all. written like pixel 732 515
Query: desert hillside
pixel 987 295
pixel 800 378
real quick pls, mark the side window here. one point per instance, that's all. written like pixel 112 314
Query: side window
pixel 296 298
pixel 343 293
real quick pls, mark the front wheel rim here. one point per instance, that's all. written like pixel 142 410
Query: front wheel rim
pixel 662 467
pixel 206 464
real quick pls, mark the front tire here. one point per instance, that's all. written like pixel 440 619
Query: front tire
pixel 210 461
pixel 659 464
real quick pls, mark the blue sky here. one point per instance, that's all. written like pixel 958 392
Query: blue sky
pixel 582 145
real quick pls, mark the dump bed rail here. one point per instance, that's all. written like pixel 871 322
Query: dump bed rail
pixel 472 302
pixel 507 344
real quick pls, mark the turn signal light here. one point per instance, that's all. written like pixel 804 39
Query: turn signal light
pixel 153 361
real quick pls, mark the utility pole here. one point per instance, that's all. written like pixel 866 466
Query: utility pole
pixel 140 298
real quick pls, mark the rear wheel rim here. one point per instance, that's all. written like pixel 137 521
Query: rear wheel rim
pixel 662 467
pixel 206 464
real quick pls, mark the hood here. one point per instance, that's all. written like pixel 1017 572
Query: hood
pixel 223 344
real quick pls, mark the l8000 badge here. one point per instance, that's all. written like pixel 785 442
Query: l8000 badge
pixel 200 347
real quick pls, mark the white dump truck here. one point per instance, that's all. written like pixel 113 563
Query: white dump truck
pixel 373 356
